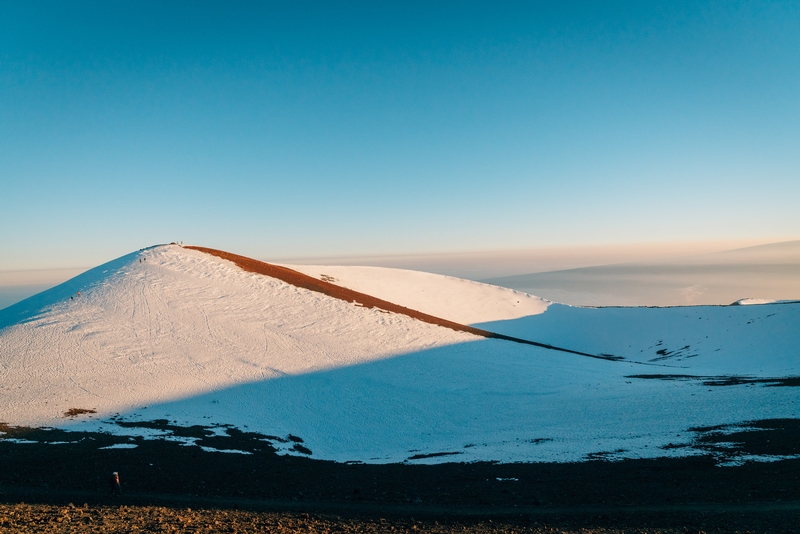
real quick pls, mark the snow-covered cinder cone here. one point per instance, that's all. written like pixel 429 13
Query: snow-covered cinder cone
pixel 189 337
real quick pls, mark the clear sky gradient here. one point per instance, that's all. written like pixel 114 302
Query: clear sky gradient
pixel 346 128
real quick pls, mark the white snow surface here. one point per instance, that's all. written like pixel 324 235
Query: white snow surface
pixel 750 302
pixel 455 299
pixel 176 334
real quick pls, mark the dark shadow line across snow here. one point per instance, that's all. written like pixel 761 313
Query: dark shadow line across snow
pixel 610 357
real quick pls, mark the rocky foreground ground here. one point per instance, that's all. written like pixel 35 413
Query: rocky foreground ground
pixel 121 518
pixel 54 481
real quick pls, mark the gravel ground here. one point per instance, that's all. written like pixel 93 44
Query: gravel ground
pixel 84 519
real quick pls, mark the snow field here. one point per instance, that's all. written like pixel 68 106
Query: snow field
pixel 176 334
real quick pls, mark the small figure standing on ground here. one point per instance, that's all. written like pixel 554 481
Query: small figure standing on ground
pixel 115 490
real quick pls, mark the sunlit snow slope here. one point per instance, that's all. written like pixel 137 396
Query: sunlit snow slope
pixel 167 323
pixel 177 334
pixel 455 299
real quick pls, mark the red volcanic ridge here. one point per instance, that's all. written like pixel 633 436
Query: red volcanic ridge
pixel 299 279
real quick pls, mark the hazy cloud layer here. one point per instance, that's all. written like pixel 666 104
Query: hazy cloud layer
pixel 763 272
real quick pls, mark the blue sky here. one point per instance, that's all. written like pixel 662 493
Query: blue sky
pixel 310 129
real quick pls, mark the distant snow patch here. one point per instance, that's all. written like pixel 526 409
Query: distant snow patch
pixel 750 302
pixel 234 451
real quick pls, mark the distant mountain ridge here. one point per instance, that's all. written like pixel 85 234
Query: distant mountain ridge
pixel 765 272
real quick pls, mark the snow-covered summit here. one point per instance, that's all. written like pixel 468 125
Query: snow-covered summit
pixel 169 322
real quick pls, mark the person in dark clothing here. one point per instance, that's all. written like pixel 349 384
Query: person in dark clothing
pixel 115 490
